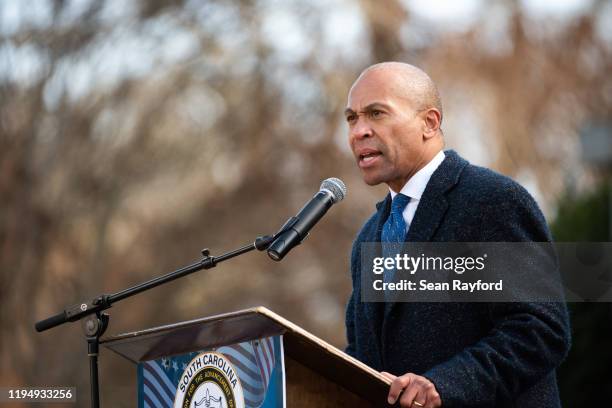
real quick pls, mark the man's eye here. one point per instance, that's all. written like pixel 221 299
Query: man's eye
pixel 351 118
pixel 376 114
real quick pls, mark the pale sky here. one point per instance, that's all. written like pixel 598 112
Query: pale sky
pixel 123 49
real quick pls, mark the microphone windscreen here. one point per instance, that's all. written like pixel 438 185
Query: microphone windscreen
pixel 335 187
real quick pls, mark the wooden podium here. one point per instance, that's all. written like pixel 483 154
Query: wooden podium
pixel 315 373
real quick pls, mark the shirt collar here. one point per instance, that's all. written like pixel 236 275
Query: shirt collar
pixel 415 187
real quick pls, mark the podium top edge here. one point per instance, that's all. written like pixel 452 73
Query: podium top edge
pixel 209 319
pixel 222 329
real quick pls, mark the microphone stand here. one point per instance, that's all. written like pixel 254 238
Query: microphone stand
pixel 95 323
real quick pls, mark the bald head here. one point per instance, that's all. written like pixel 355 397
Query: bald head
pixel 408 82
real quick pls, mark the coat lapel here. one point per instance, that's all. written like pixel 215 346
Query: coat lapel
pixel 375 310
pixel 434 204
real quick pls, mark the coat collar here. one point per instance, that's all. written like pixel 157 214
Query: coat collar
pixel 433 203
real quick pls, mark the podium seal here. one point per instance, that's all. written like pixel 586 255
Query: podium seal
pixel 209 381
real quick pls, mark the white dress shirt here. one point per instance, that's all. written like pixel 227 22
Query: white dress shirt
pixel 416 185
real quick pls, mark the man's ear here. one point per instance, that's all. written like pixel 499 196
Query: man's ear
pixel 432 121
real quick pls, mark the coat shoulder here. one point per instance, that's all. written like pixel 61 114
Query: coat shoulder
pixel 501 200
pixel 491 185
pixel 490 189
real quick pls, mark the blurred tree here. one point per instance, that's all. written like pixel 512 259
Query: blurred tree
pixel 134 133
pixel 584 377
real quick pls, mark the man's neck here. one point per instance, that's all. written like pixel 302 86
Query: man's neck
pixel 397 185
pixel 415 185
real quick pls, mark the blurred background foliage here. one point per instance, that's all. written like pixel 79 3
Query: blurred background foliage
pixel 585 375
pixel 133 134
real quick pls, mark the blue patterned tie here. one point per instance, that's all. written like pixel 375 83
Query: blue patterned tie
pixel 394 231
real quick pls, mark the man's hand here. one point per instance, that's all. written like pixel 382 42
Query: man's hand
pixel 417 391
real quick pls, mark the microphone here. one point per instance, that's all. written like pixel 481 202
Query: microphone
pixel 296 228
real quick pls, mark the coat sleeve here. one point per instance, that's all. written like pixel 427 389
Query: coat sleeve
pixel 527 341
pixel 350 307
pixel 350 326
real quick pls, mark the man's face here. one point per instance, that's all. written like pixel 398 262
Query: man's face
pixel 385 131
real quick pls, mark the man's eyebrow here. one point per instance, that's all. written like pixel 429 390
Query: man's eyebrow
pixel 376 105
pixel 368 108
pixel 348 111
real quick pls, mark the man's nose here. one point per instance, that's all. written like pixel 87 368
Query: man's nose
pixel 361 129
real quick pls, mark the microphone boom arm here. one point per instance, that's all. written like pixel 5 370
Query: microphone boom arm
pixel 104 301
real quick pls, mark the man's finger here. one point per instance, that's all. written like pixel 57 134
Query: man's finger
pixel 433 399
pixel 388 375
pixel 409 395
pixel 398 384
pixel 420 399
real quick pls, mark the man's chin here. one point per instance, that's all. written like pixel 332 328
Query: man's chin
pixel 372 180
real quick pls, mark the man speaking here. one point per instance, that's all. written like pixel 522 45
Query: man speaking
pixel 444 354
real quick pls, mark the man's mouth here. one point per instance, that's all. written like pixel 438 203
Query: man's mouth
pixel 368 158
